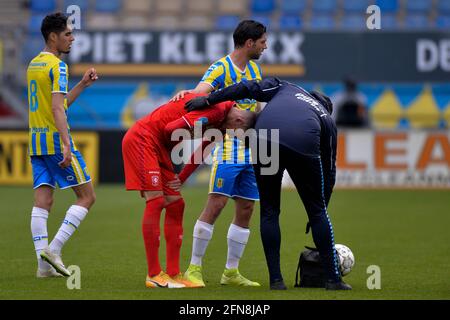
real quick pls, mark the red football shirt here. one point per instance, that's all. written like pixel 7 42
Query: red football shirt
pixel 172 115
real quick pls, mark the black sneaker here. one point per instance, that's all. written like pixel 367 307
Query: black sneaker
pixel 278 285
pixel 341 285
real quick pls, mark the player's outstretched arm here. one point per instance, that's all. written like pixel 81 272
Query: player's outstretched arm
pixel 263 91
pixel 89 77
pixel 200 88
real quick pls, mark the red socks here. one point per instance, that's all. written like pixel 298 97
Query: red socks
pixel 151 233
pixel 173 232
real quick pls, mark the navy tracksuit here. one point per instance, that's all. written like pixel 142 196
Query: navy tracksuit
pixel 307 150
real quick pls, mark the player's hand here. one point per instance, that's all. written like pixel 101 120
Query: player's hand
pixel 180 95
pixel 196 104
pixel 89 77
pixel 174 184
pixel 67 158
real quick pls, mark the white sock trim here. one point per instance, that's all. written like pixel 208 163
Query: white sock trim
pixel 203 230
pixel 78 211
pixel 238 234
pixel 37 212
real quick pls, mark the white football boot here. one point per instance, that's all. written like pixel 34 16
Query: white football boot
pixel 50 273
pixel 55 261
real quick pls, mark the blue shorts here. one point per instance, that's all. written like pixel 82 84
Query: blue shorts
pixel 46 171
pixel 234 180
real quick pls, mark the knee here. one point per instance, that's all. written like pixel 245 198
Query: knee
pixel 246 208
pixel 216 206
pixel 88 199
pixel 44 203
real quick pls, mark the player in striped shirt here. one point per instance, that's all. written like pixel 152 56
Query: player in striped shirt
pixel 53 153
pixel 232 174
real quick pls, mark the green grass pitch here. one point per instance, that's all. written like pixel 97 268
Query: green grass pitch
pixel 405 233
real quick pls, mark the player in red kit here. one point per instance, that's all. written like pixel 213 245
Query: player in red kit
pixel 146 149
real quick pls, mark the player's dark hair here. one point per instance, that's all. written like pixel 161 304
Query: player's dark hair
pixel 55 22
pixel 247 29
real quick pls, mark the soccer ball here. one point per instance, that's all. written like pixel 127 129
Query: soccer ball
pixel 346 259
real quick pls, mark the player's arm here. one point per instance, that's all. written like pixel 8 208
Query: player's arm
pixel 213 78
pixel 194 162
pixel 263 90
pixel 201 87
pixel 59 115
pixel 89 77
pixel 190 167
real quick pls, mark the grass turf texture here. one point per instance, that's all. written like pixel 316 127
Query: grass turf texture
pixel 403 232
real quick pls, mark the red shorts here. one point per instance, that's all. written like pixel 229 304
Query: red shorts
pixel 147 163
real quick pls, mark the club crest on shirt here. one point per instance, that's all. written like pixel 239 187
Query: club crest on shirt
pixel 155 181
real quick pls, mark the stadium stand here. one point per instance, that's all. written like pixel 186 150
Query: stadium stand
pixel 222 15
pixel 292 7
pixel 232 7
pixel 443 22
pixel 42 6
pixel 388 5
pixel 353 22
pixel 389 21
pixel 321 22
pixel 443 6
pixel 290 22
pixel 83 4
pixel 416 21
pixel 355 5
pixel 418 6
pixel 111 6
pixel 325 6
pixel 226 22
pixel 262 6
pixel 199 15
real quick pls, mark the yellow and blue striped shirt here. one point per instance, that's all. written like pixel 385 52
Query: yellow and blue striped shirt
pixel 221 74
pixel 46 74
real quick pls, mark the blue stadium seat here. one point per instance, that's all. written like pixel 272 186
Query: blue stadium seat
pixel 324 6
pixel 290 22
pixel 262 6
pixel 34 24
pixel 227 22
pixel 321 22
pixel 443 22
pixel 354 22
pixel 264 19
pixel 420 6
pixel 83 4
pixel 417 21
pixel 389 22
pixel 45 6
pixel 443 6
pixel 387 5
pixel 108 6
pixel 355 5
pixel 291 7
